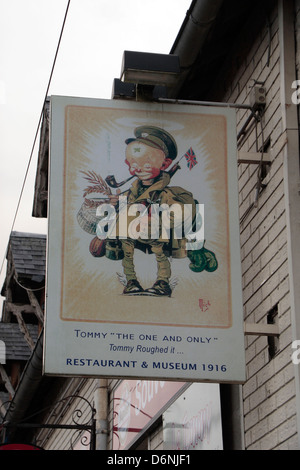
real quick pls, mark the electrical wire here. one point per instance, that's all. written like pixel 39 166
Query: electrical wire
pixel 39 124
pixel 28 288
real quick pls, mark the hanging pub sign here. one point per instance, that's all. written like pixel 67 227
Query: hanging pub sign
pixel 143 276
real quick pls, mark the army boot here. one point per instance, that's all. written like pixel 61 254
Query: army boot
pixel 133 287
pixel 160 287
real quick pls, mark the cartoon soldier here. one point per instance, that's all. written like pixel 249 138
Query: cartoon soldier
pixel 148 155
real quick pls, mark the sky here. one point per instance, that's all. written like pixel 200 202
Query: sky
pixel 96 34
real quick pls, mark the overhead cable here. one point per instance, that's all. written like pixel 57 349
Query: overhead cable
pixel 39 123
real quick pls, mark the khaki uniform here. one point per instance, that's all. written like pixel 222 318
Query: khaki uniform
pixel 158 193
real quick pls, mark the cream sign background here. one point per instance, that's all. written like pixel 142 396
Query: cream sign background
pixel 89 135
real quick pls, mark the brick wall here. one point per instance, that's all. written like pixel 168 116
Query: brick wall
pixel 269 393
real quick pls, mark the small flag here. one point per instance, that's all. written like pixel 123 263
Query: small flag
pixel 190 158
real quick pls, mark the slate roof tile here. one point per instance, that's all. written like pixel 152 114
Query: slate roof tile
pixel 16 347
pixel 28 253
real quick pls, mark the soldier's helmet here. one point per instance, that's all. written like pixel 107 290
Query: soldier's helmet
pixel 157 138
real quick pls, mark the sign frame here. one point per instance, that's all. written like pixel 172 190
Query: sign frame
pixel 207 343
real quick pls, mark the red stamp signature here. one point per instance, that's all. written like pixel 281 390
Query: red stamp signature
pixel 204 305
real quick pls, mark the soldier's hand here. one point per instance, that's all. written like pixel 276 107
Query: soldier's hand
pixel 114 198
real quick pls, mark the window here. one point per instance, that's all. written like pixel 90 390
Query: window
pixel 273 341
